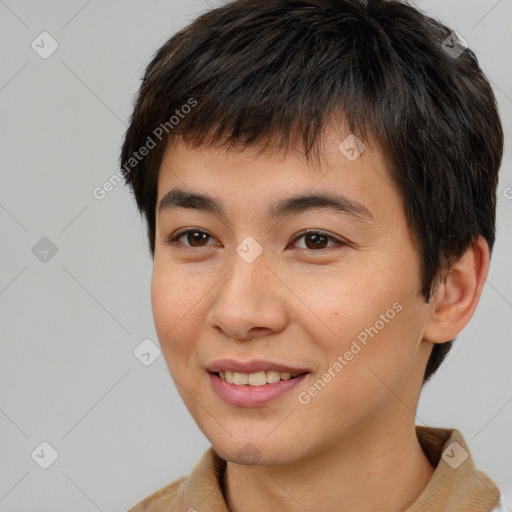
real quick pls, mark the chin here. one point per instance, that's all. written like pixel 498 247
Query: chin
pixel 255 451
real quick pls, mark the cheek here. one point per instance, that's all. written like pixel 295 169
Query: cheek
pixel 366 368
pixel 375 316
pixel 350 300
pixel 384 349
pixel 176 303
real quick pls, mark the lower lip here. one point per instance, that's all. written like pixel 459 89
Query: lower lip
pixel 252 396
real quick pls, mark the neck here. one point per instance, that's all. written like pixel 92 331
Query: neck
pixel 381 468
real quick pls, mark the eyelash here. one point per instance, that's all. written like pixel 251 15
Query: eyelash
pixel 175 238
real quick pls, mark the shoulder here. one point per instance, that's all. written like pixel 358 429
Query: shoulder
pixel 163 499
pixel 456 481
pixel 202 485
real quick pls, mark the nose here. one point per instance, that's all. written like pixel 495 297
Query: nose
pixel 249 302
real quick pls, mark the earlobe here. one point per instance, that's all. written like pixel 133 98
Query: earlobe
pixel 457 296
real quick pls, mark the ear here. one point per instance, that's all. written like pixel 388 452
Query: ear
pixel 457 296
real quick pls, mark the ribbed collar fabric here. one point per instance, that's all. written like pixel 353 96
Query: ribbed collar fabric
pixel 455 486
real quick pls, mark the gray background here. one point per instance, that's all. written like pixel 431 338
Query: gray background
pixel 70 324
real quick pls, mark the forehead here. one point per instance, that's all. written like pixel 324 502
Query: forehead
pixel 218 177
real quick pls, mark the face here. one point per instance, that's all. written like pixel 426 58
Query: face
pixel 238 286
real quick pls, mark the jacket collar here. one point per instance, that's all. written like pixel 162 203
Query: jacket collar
pixel 455 486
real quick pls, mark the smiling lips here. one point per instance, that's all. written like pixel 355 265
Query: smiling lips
pixel 253 383
pixel 255 379
pixel 253 373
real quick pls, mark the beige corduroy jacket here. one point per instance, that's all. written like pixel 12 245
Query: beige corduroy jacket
pixel 455 486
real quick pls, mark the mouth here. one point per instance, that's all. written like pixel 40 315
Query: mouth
pixel 254 389
pixel 253 383
pixel 261 378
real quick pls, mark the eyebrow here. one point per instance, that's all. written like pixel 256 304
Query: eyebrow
pixel 294 205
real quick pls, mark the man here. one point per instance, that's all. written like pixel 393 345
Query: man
pixel 319 183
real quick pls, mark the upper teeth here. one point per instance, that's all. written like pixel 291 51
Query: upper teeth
pixel 255 379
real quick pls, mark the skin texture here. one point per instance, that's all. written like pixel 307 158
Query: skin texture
pixel 353 446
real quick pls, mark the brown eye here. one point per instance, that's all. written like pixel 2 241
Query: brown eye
pixel 196 238
pixel 193 237
pixel 316 240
